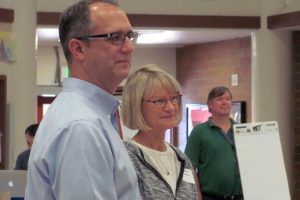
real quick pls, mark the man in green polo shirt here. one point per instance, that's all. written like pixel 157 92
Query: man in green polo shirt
pixel 212 151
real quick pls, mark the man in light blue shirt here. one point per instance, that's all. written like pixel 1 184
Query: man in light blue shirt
pixel 77 153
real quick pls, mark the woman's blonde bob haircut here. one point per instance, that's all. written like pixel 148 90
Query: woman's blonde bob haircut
pixel 145 82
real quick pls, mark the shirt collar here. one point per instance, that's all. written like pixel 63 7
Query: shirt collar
pixel 211 123
pixel 97 98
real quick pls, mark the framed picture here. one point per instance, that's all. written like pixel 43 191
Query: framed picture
pixel 198 113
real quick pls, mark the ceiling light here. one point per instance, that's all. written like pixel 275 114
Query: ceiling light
pixel 50 33
pixel 48 95
pixel 155 36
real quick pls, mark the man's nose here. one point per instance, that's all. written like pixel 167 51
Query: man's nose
pixel 128 45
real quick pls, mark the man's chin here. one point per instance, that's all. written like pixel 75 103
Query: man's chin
pixel 123 67
pixel 224 114
pixel 122 76
pixel 124 72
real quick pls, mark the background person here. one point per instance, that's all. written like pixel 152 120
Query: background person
pixel 22 160
pixel 211 149
pixel 151 103
pixel 77 153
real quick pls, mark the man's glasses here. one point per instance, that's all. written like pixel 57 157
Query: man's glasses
pixel 116 38
pixel 163 102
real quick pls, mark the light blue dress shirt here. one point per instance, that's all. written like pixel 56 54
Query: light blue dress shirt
pixel 77 153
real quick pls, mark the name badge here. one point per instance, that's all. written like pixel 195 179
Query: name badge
pixel 188 176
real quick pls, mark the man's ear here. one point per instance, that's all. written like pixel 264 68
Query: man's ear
pixel 209 105
pixel 77 48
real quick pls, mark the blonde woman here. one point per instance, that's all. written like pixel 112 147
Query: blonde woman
pixel 151 103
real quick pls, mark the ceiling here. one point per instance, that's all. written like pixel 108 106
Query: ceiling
pixel 170 37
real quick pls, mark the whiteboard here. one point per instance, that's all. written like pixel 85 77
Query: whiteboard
pixel 261 161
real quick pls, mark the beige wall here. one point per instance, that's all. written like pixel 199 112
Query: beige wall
pixel 271 80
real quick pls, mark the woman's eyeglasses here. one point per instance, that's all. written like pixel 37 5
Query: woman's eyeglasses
pixel 163 102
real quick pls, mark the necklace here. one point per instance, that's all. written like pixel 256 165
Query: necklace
pixel 167 164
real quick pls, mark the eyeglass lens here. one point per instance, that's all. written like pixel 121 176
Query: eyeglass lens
pixel 173 100
pixel 163 102
pixel 118 38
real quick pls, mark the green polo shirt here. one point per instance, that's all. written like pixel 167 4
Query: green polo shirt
pixel 214 156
